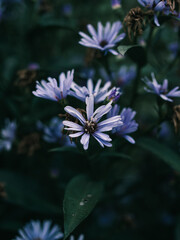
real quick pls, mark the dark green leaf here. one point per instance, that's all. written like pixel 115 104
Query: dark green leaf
pixel 81 196
pixel 26 192
pixel 162 151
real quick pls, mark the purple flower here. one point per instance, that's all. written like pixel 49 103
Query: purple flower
pixel 99 93
pixel 129 125
pixel 53 132
pixel 36 230
pixel 91 125
pixel 8 135
pixel 81 237
pixel 161 89
pixel 174 48
pixel 156 5
pixel 125 75
pixel 116 4
pixel 105 38
pixel 52 90
pixel 115 94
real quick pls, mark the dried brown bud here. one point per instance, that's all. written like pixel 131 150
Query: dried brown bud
pixel 29 144
pixel 3 193
pixel 134 22
pixel 173 4
pixel 176 118
pixel 26 77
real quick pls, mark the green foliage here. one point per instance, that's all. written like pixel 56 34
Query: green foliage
pixel 81 196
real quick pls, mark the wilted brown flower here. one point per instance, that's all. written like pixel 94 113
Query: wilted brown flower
pixel 3 193
pixel 176 118
pixel 29 144
pixel 45 6
pixel 135 21
pixel 173 4
pixel 26 77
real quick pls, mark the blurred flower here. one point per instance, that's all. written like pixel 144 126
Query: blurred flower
pixel 161 90
pixel 37 231
pixel 176 118
pixel 81 237
pixel 29 144
pixel 53 133
pixel 105 38
pixel 99 94
pixel 51 90
pixel 91 125
pixel 129 125
pixel 155 5
pixel 116 4
pixel 126 75
pixel 173 48
pixel 67 9
pixel 115 94
pixel 135 21
pixel 28 75
pixel 3 193
pixel 8 134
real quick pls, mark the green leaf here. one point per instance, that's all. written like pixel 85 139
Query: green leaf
pixel 24 191
pixel 135 53
pixel 66 149
pixel 162 151
pixel 123 49
pixel 81 196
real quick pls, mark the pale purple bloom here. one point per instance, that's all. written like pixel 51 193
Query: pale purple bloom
pixel 161 89
pixel 67 9
pixel 54 90
pixel 156 5
pixel 99 93
pixel 125 75
pixel 129 124
pixel 91 126
pixel 105 38
pixel 116 4
pixel 174 48
pixel 115 94
pixel 8 135
pixel 81 237
pixel 36 230
pixel 53 133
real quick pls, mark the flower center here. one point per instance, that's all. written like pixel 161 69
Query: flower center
pixel 90 127
pixel 103 43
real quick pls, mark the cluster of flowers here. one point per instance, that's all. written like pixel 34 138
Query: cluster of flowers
pixel 42 231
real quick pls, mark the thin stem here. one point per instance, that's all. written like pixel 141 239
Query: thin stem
pixel 136 85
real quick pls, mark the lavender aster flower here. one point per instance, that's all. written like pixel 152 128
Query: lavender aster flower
pixel 129 125
pixel 35 230
pixel 8 135
pixel 156 5
pixel 116 4
pixel 53 132
pixel 115 94
pixel 161 89
pixel 105 38
pixel 91 125
pixel 52 90
pixel 125 75
pixel 81 237
pixel 99 93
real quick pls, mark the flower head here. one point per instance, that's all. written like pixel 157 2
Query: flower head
pixel 105 38
pixel 125 75
pixel 129 124
pixel 155 5
pixel 8 134
pixel 52 90
pixel 161 89
pixel 116 4
pixel 91 125
pixel 81 237
pixel 115 94
pixel 53 132
pixel 37 231
pixel 99 93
